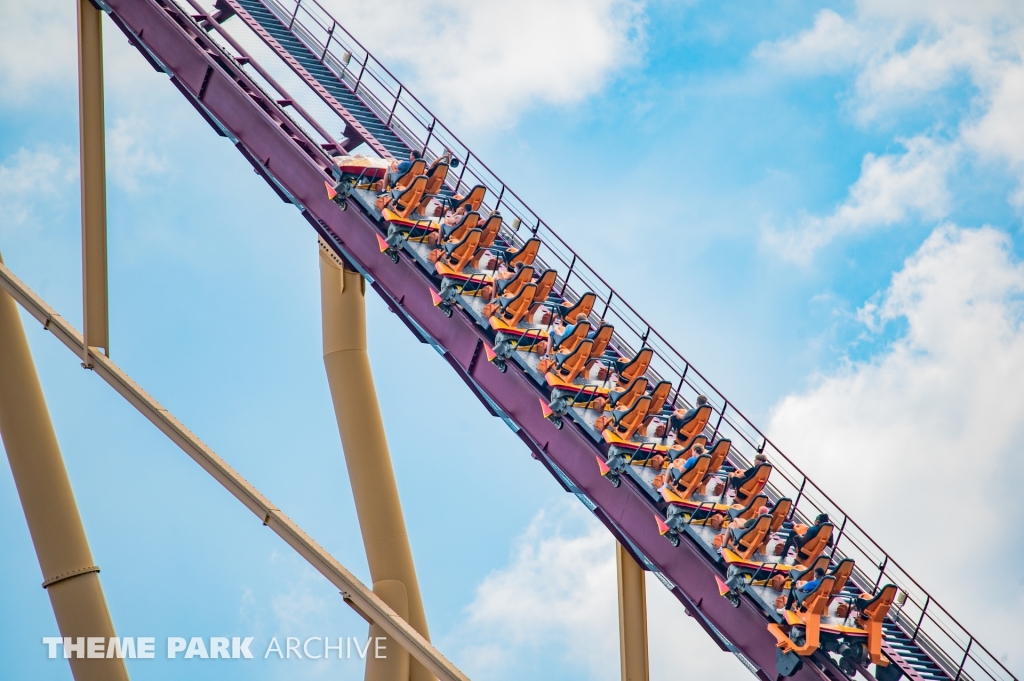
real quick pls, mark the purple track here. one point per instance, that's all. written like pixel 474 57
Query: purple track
pixel 224 92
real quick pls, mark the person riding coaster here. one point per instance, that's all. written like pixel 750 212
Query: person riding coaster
pixel 455 264
pixel 475 282
pixel 753 563
pixel 856 637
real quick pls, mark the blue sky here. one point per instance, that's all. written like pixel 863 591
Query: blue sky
pixel 838 185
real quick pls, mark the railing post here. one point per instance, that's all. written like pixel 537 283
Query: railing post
pixel 927 600
pixel 799 494
pixel 565 282
pixel 291 22
pixel 330 34
pixel 430 133
pixel 465 164
pixel 394 106
pixel 721 415
pixel 682 381
pixel 838 537
pixel 967 651
pixel 608 303
pixel 881 572
pixel 497 204
pixel 359 78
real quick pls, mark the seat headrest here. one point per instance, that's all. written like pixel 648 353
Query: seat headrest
pixel 762 524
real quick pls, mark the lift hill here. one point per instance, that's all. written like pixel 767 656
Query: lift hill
pixel 275 76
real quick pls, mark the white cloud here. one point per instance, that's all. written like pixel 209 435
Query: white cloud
pixel 891 188
pixel 556 600
pixel 484 63
pixel 130 157
pixel 30 177
pixel 830 45
pixel 929 428
pixel 999 133
pixel 38 53
pixel 904 49
pixel 37 46
pixel 903 54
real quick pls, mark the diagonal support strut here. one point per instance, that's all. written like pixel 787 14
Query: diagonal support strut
pixel 356 594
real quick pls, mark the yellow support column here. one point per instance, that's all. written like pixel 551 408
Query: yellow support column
pixel 92 163
pixel 632 617
pixel 342 297
pixel 70 576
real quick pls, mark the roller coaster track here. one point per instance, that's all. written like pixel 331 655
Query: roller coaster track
pixel 274 76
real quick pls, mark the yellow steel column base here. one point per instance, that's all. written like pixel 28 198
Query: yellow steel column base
pixel 69 573
pixel 367 458
pixel 632 617
pixel 93 169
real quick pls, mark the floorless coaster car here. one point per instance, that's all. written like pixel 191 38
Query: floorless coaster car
pixel 401 232
pixel 431 229
pixel 356 172
pixel 510 287
pixel 463 251
pixel 855 638
pixel 744 557
pixel 599 396
pixel 776 589
pixel 689 424
pixel 519 331
pixel 452 288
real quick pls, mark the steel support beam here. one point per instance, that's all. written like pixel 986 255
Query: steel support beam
pixel 632 617
pixel 92 165
pixel 342 297
pixel 70 576
pixel 356 594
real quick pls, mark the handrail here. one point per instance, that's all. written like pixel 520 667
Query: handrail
pixel 404 114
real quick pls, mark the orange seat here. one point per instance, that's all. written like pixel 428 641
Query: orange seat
pixel 578 335
pixel 545 283
pixel 418 167
pixel 817 602
pixel 625 422
pixel 472 200
pixel 690 480
pixel 457 232
pixel 842 573
pixel 511 310
pixel 814 605
pixel 754 485
pixel 436 176
pixel 568 365
pixel 510 287
pixel 871 614
pixel 585 305
pixel 458 253
pixel 404 201
pixel 490 228
pixel 602 338
pixel 526 255
pixel 779 513
pixel 746 542
pixel 659 396
pixel 750 510
pixel 813 548
pixel 624 399
pixel 628 370
pixel 676 451
pixel 686 431
pixel 806 574
pixel 718 453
